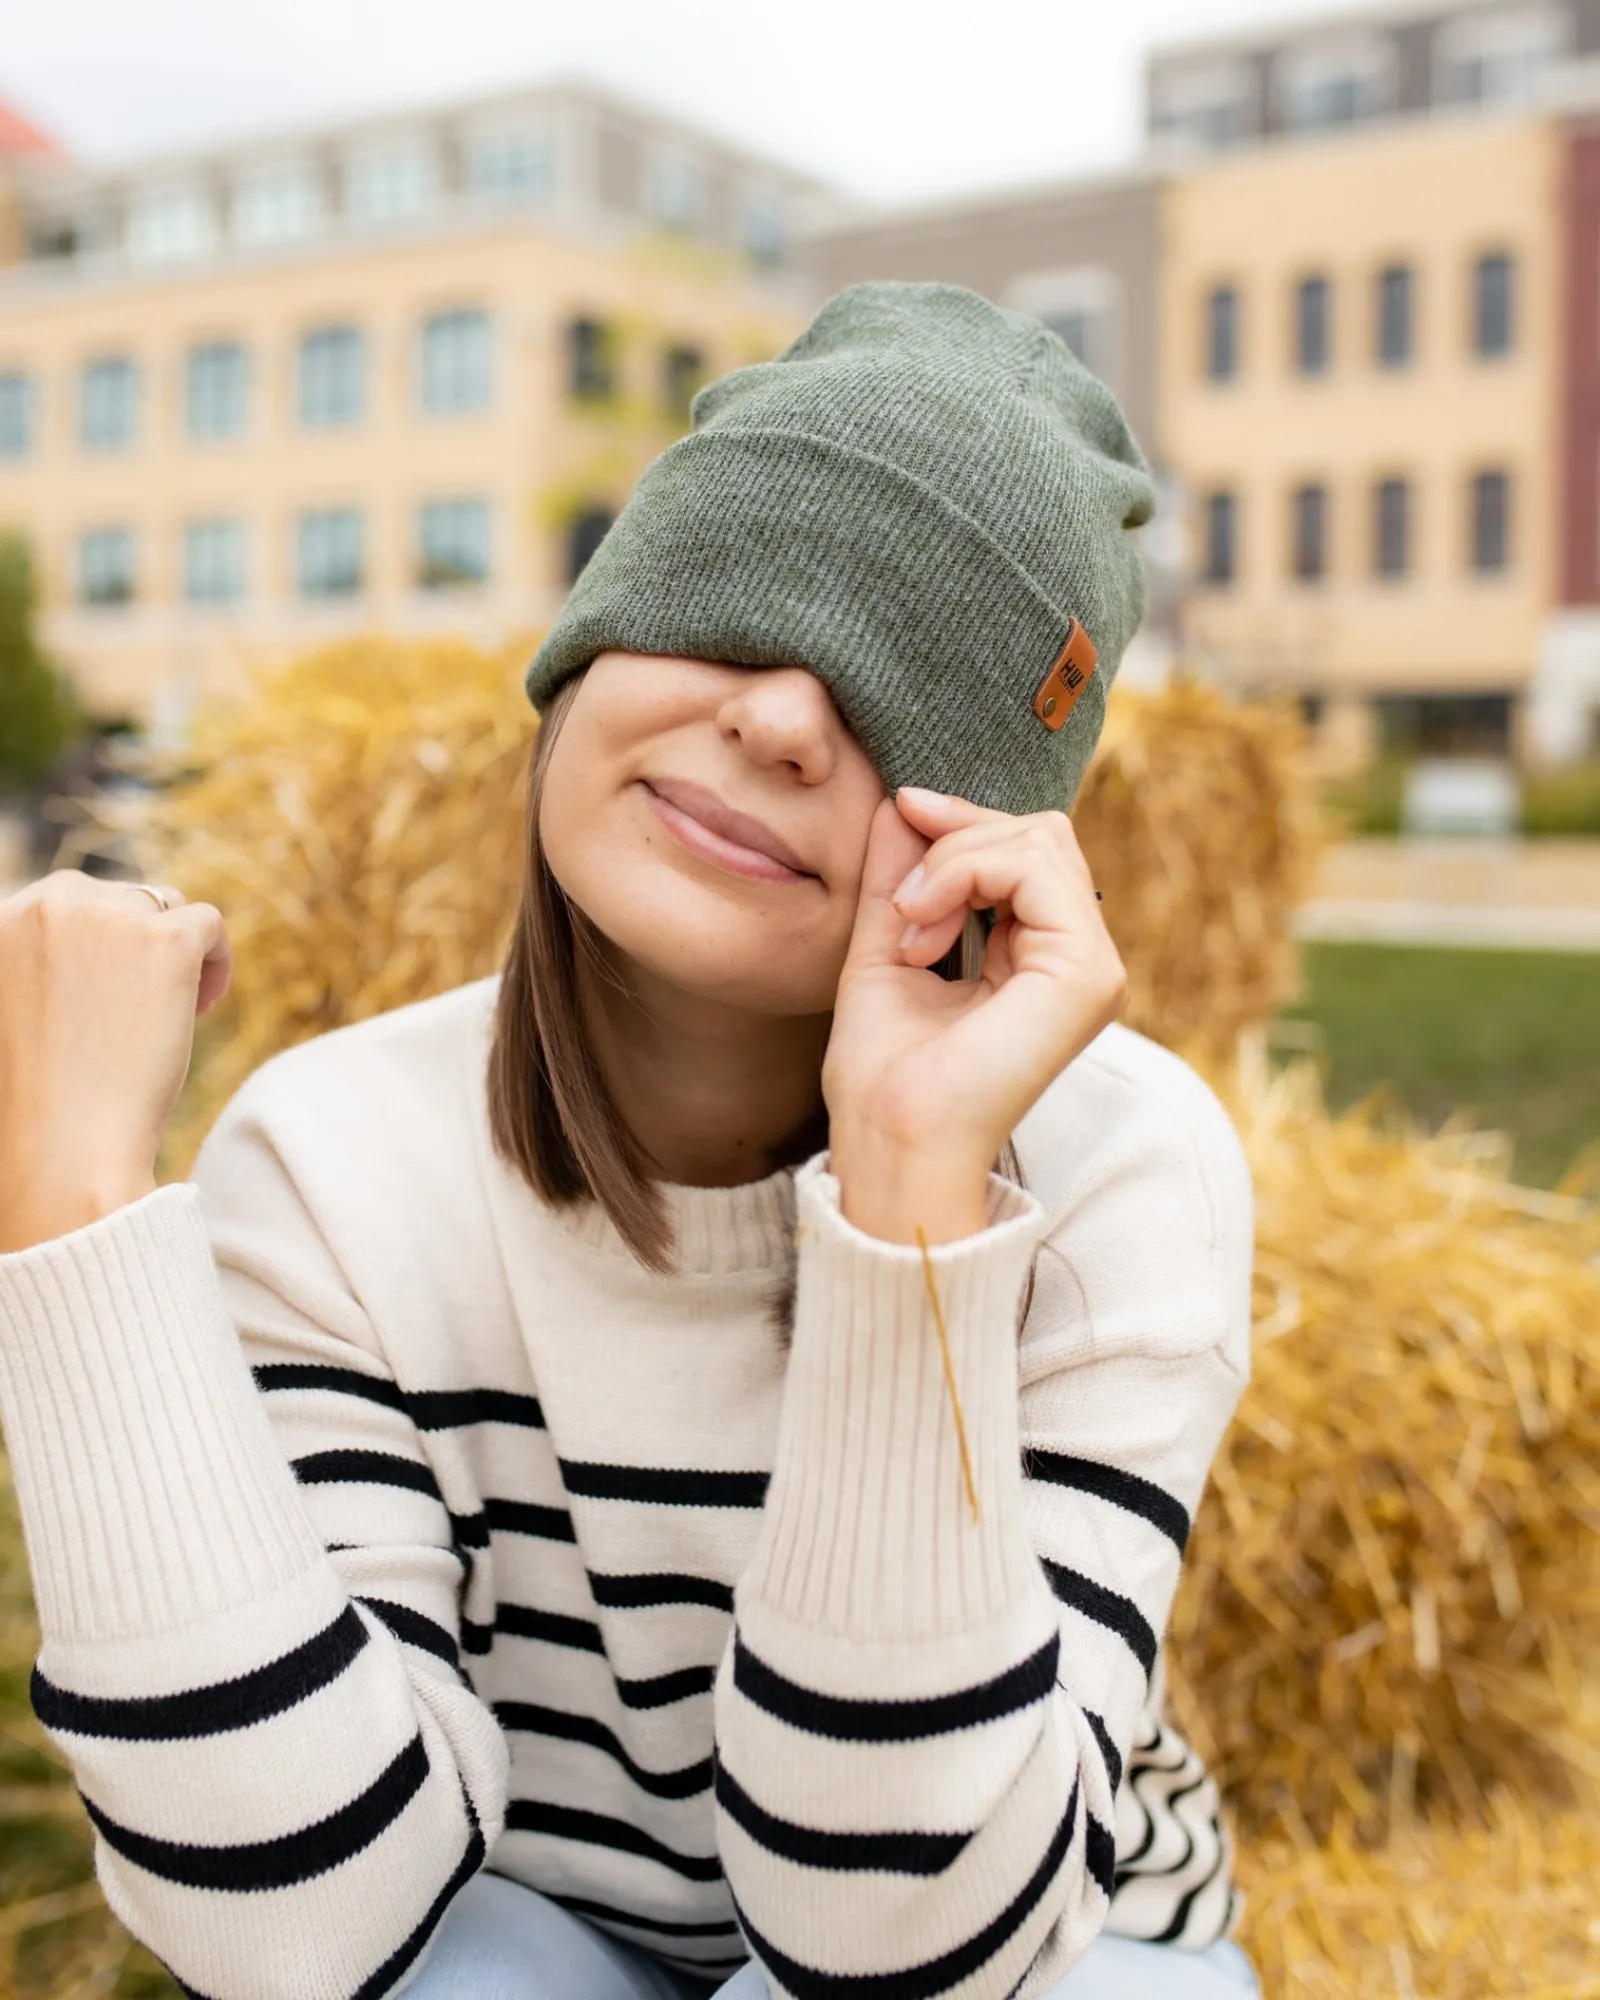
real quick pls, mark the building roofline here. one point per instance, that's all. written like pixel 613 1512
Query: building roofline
pixel 1280 32
pixel 267 141
pixel 956 207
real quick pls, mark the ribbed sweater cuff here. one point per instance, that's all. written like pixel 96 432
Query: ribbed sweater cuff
pixel 152 1490
pixel 868 1530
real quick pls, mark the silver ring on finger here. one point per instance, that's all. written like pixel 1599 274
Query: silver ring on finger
pixel 156 895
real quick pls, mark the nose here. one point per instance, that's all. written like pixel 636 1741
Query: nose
pixel 783 717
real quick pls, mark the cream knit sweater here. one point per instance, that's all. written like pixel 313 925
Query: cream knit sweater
pixel 512 1551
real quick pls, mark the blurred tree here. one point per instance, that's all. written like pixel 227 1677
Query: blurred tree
pixel 38 716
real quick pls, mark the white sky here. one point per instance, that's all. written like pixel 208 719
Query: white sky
pixel 888 98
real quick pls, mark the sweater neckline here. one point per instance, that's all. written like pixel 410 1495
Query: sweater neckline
pixel 715 1231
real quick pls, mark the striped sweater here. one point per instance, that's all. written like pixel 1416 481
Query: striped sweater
pixel 386 1523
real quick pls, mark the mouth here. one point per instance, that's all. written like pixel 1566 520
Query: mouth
pixel 699 821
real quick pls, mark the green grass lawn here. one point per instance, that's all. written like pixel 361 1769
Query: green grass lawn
pixel 1511 1035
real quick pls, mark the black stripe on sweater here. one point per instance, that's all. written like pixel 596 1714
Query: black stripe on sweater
pixel 526 1621
pixel 524 1517
pixel 863 1721
pixel 428 1409
pixel 641 1593
pixel 356 1466
pixel 600 1830
pixel 1108 1749
pixel 809 1847
pixel 664 1486
pixel 602 1913
pixel 529 1718
pixel 414 1628
pixel 405 1955
pixel 207 1711
pixel 1127 1490
pixel 292 1857
pixel 933 1975
pixel 557 1628
pixel 1106 1607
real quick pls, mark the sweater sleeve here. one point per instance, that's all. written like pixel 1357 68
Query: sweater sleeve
pixel 251 1668
pixel 923 1717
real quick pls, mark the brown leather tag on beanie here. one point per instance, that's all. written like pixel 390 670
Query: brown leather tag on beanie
pixel 1059 690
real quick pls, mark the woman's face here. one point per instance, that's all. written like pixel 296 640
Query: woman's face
pixel 711 822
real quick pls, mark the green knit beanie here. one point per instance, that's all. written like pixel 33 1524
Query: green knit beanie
pixel 922 501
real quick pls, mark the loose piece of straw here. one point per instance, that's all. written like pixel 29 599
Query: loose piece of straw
pixel 932 1283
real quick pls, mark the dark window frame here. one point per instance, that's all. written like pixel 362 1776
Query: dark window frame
pixel 1494 305
pixel 1393 528
pixel 1222 334
pixel 1394 331
pixel 585 532
pixel 1313 324
pixel 591 361
pixel 1489 540
pixel 1220 569
pixel 1309 512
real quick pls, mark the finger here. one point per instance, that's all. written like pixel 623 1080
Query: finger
pixel 925 944
pixel 936 813
pixel 893 850
pixel 1031 867
pixel 202 923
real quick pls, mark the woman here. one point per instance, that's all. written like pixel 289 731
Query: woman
pixel 756 1553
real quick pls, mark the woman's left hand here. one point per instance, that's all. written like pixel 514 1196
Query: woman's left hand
pixel 926 1079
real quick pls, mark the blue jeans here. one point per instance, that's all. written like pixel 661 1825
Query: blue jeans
pixel 501 1941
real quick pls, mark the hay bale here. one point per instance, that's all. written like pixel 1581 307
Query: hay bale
pixel 1200 822
pixel 1502 1911
pixel 358 821
pixel 1394 1586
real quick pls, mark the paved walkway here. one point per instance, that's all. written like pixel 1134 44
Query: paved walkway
pixel 1523 895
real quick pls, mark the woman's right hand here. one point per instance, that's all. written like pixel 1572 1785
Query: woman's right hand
pixel 99 990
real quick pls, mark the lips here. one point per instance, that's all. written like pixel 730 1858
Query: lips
pixel 704 824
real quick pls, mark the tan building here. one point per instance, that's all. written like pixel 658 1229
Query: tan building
pixel 1360 367
pixel 1361 381
pixel 396 375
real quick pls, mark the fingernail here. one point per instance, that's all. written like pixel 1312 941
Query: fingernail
pixel 910 885
pixel 913 931
pixel 920 795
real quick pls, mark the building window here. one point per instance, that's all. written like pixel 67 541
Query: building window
pixel 455 363
pixel 328 553
pixel 592 370
pixel 683 369
pixel 675 193
pixel 333 369
pixel 1222 528
pixel 1208 105
pixel 105 566
pixel 1310 533
pixel 586 534
pixel 1498 57
pixel 278 204
pixel 1222 334
pixel 216 389
pixel 391 183
pixel 1393 326
pixel 1344 80
pixel 1493 305
pixel 16 414
pixel 1391 527
pixel 108 413
pixel 168 225
pixel 764 230
pixel 1491 522
pixel 213 562
pixel 1313 326
pixel 512 163
pixel 452 543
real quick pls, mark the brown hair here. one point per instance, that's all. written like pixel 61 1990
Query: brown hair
pixel 550 1113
